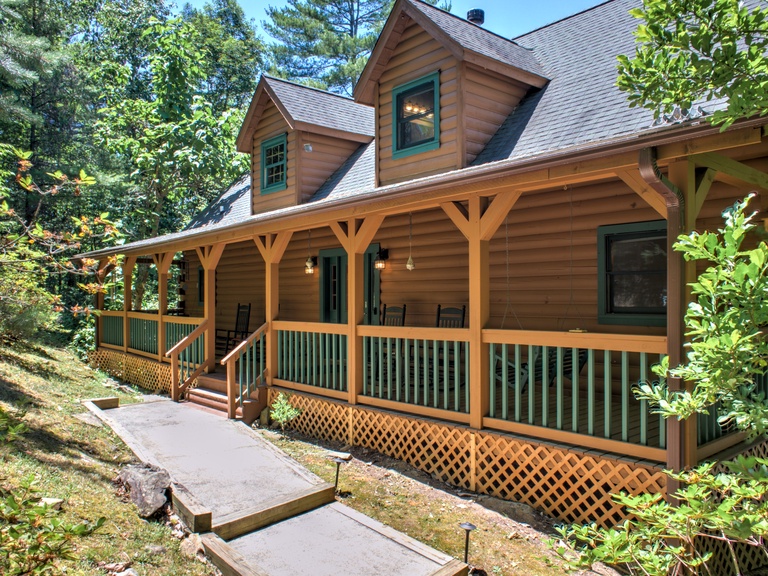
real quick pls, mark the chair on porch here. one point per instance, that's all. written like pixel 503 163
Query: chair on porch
pixel 538 367
pixel 450 317
pixel 393 315
pixel 226 340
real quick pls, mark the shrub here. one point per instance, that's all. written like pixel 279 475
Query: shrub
pixel 283 412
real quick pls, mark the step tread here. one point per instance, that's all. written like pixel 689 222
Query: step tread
pixel 213 394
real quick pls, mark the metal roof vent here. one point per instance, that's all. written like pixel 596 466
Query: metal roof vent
pixel 476 16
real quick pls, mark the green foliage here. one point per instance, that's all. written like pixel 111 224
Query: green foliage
pixel 283 412
pixel 727 353
pixel 11 427
pixel 84 338
pixel 33 535
pixel 325 43
pixel 699 50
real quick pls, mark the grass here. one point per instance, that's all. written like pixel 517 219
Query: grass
pixel 77 461
pixel 398 495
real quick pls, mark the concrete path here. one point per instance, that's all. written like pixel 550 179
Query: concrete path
pixel 268 515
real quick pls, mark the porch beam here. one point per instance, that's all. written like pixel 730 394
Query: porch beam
pixel 458 215
pixel 366 232
pixel 632 178
pixel 339 230
pixel 128 265
pixel 497 212
pixel 703 184
pixel 479 311
pixel 728 166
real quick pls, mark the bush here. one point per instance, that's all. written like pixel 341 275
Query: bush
pixel 25 306
pixel 283 412
pixel 84 338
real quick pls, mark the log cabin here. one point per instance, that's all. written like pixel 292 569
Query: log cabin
pixel 466 266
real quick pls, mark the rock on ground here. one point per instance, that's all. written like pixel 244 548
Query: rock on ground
pixel 148 488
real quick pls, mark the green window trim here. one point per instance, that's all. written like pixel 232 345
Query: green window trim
pixel 423 118
pixel 200 286
pixel 274 164
pixel 654 233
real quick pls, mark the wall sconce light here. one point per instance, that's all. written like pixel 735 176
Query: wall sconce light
pixel 381 259
pixel 307 147
pixel 309 265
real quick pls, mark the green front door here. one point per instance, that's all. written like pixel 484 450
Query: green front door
pixel 333 286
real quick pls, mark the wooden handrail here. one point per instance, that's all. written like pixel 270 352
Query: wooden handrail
pixel 593 340
pixel 168 318
pixel 187 340
pixel 244 343
pixel 316 327
pixel 415 332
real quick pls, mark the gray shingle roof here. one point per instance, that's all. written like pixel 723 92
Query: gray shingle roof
pixel 234 205
pixel 321 108
pixel 581 104
pixel 477 39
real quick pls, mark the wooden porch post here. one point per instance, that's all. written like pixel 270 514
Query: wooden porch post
pixel 209 258
pixel 355 236
pixel 163 264
pixel 128 265
pixel 478 223
pixel 272 248
pixel 101 273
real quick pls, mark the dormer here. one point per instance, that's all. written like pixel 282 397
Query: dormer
pixel 297 137
pixel 441 87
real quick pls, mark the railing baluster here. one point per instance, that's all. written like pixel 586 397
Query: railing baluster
pixel 532 384
pixel 643 403
pixel 407 371
pixel 575 389
pixel 518 383
pixel 625 397
pixel 560 399
pixel 545 386
pixel 504 381
pixel 397 369
pixel 456 372
pixel 662 424
pixel 607 393
pixel 446 375
pixel 590 391
pixel 436 373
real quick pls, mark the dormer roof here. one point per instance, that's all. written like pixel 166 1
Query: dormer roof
pixel 308 109
pixel 466 41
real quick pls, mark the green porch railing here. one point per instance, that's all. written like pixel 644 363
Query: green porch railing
pixel 581 390
pixel 708 426
pixel 250 364
pixel 143 334
pixel 191 358
pixel 313 358
pixel 422 372
pixel 175 332
pixel 112 330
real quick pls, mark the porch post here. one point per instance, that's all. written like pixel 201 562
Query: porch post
pixel 478 223
pixel 128 265
pixel 682 437
pixel 272 247
pixel 101 274
pixel 355 236
pixel 163 264
pixel 209 258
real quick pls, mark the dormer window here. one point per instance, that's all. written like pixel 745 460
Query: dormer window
pixel 273 164
pixel 417 116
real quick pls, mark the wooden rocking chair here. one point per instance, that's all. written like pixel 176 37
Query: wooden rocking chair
pixel 536 375
pixel 226 340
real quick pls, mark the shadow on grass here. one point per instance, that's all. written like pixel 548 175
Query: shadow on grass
pixel 13 394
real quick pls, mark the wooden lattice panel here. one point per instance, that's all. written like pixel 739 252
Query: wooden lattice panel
pixel 135 370
pixel 441 450
pixel 564 483
pixel 324 419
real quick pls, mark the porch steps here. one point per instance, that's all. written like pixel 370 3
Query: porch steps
pixel 211 392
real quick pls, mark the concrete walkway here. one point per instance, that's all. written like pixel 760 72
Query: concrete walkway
pixel 268 516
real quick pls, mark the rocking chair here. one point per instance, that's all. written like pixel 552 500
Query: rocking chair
pixel 226 340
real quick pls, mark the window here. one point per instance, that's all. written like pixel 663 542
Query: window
pixel 416 115
pixel 632 273
pixel 273 160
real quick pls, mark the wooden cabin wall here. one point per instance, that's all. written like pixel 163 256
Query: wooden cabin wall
pixel 551 281
pixel 191 306
pixel 416 55
pixel 270 125
pixel 489 99
pixel 240 279
pixel 300 292
pixel 315 167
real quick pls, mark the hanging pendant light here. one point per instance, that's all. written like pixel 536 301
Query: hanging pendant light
pixel 309 265
pixel 409 264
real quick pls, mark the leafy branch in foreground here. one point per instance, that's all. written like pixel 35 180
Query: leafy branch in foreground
pixel 699 50
pixel 726 362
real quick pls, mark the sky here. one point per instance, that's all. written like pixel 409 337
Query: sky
pixel 508 18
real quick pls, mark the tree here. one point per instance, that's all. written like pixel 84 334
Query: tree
pixel 727 358
pixel 696 51
pixel 233 53
pixel 325 43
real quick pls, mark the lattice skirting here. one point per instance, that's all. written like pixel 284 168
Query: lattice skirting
pixel 142 372
pixel 751 558
pixel 570 485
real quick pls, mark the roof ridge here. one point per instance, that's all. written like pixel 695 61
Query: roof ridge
pixel 465 21
pixel 579 13
pixel 320 90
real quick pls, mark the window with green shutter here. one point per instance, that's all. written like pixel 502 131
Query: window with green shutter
pixel 273 164
pixel 416 116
